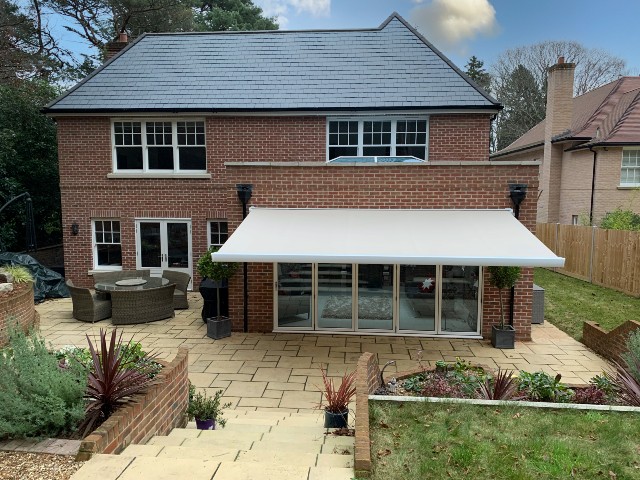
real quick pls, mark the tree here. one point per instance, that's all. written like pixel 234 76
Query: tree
pixel 621 220
pixel 501 278
pixel 524 105
pixel 477 73
pixel 222 15
pixel 594 67
pixel 28 162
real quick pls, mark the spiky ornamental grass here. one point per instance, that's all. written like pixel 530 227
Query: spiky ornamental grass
pixel 116 374
pixel 337 400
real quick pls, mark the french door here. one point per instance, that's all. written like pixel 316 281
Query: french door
pixel 163 245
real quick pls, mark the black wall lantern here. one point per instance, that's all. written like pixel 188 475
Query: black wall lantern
pixel 75 228
pixel 244 195
pixel 517 193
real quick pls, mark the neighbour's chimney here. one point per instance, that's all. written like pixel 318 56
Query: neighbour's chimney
pixel 114 47
pixel 558 121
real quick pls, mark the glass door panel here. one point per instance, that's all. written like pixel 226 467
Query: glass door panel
pixel 150 245
pixel 177 245
pixel 459 299
pixel 375 297
pixel 335 295
pixel 417 298
pixel 294 295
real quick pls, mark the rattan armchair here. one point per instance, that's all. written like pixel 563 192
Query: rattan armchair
pixel 111 277
pixel 181 281
pixel 142 306
pixel 87 305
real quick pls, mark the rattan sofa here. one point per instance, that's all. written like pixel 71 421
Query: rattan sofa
pixel 142 306
pixel 110 277
pixel 181 281
pixel 88 306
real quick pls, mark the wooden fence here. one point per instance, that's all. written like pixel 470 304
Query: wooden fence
pixel 610 258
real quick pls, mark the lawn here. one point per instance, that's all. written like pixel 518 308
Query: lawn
pixel 568 302
pixel 427 440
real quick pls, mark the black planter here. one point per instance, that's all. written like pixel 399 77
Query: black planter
pixel 218 327
pixel 503 337
pixel 208 290
pixel 336 420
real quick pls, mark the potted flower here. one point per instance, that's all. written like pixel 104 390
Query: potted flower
pixel 214 289
pixel 336 401
pixel 503 336
pixel 207 411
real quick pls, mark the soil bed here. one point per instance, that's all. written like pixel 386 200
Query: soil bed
pixel 32 466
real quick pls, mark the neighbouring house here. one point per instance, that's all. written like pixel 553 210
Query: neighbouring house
pixel 362 157
pixel 589 147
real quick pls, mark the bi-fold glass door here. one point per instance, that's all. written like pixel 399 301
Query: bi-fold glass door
pixel 163 245
pixel 427 299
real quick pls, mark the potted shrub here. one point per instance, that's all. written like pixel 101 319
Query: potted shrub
pixel 206 411
pixel 502 335
pixel 214 289
pixel 336 401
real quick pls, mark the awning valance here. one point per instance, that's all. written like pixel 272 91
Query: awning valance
pixel 414 237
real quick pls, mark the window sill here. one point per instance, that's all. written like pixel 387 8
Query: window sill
pixel 628 187
pixel 202 176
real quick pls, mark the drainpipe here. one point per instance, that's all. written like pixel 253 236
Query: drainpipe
pixel 517 193
pixel 593 184
pixel 244 194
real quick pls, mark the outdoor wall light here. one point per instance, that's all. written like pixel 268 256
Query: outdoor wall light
pixel 517 193
pixel 75 228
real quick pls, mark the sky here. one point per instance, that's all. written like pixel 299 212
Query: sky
pixel 484 28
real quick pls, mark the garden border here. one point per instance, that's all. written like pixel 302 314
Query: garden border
pixel 156 412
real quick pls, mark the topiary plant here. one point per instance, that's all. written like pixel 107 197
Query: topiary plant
pixel 217 271
pixel 501 278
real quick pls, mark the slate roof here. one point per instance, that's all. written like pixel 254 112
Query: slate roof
pixel 390 67
pixel 606 115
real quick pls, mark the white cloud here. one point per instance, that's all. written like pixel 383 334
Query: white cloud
pixel 282 8
pixel 450 23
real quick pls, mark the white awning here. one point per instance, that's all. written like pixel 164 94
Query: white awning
pixel 414 237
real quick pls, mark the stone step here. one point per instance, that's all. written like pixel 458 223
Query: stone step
pixel 254 470
pixel 331 473
pixel 300 446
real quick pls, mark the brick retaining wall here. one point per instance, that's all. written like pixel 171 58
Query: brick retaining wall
pixel 18 304
pixel 610 345
pixel 367 381
pixel 156 412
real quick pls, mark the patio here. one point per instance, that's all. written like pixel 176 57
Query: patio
pixel 275 370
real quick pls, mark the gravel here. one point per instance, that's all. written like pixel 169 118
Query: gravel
pixel 36 466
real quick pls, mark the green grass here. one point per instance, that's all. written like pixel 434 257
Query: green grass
pixel 427 440
pixel 569 302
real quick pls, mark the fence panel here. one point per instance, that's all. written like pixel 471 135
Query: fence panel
pixel 610 258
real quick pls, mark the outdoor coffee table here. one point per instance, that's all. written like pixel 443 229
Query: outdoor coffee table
pixel 131 284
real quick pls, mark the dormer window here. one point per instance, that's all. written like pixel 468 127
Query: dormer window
pixel 359 140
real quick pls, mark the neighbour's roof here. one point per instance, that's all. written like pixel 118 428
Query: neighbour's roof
pixel 606 115
pixel 390 67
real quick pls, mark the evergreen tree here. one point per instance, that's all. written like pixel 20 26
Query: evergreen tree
pixel 478 74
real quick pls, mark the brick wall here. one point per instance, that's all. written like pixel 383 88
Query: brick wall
pixel 155 412
pixel 86 160
pixel 610 345
pixel 403 186
pixel 17 305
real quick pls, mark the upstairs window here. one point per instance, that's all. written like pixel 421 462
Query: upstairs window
pixel 377 140
pixel 159 146
pixel 630 175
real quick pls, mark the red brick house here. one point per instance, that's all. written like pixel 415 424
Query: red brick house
pixel 367 152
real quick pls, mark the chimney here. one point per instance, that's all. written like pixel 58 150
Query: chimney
pixel 114 47
pixel 559 114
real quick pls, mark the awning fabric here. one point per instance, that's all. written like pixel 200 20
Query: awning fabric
pixel 414 237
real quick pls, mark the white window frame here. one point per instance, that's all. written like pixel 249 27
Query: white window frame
pixel 622 166
pixel 394 122
pixel 94 244
pixel 145 151
pixel 215 220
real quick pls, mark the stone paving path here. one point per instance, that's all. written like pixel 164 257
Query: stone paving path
pixel 282 371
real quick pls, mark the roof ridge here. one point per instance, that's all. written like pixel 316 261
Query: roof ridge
pixel 632 105
pixel 599 108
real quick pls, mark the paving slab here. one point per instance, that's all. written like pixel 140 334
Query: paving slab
pixel 253 471
pixel 104 467
pixel 143 467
